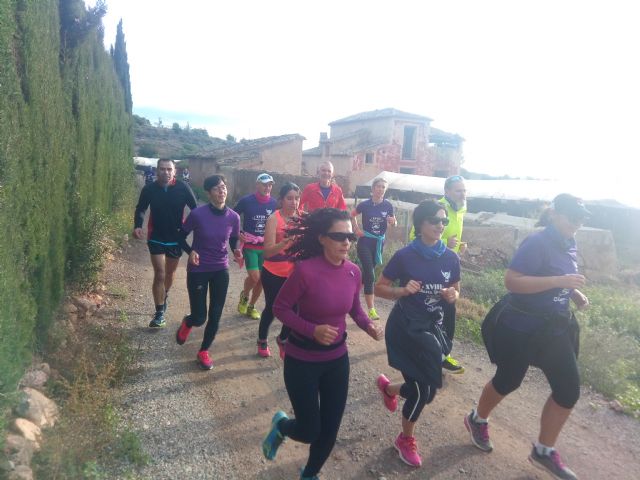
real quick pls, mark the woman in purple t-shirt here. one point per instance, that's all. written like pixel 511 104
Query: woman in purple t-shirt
pixel 428 274
pixel 534 326
pixel 213 225
pixel 322 289
pixel 377 214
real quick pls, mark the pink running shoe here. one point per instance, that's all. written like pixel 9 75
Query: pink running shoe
pixel 204 360
pixel 263 349
pixel 408 450
pixel 390 401
pixel 183 332
pixel 280 343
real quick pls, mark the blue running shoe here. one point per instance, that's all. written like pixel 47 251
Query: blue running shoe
pixel 158 320
pixel 274 438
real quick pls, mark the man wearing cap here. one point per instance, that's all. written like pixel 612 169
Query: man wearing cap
pixel 254 209
pixel 166 198
pixel 455 203
pixel 324 193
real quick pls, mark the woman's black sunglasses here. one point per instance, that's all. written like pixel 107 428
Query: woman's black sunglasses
pixel 341 236
pixel 437 220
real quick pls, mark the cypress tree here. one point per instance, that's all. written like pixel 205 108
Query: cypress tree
pixel 121 62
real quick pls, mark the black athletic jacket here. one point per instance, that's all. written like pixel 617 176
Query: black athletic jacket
pixel 167 210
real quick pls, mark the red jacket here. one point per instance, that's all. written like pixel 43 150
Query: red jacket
pixel 312 198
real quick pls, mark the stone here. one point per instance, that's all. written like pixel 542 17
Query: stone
pixel 84 305
pixel 6 466
pixel 69 308
pixel 22 472
pixel 41 410
pixel 44 366
pixel 34 379
pixel 18 449
pixel 29 430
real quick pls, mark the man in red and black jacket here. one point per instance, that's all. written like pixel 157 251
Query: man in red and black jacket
pixel 166 197
pixel 324 193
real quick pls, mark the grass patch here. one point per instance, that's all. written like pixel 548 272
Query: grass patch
pixel 91 440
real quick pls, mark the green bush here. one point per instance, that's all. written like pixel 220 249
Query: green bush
pixel 65 165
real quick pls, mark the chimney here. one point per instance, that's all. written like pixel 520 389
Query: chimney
pixel 324 144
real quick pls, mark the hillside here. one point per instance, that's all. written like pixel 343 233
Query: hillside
pixel 172 142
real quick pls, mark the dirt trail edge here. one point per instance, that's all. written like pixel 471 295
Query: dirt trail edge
pixel 199 424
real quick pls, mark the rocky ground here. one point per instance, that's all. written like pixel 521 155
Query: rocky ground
pixel 199 424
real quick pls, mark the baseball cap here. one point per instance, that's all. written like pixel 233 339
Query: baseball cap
pixel 571 206
pixel 265 178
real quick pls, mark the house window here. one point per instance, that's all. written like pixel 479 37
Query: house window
pixel 407 170
pixel 408 144
pixel 368 158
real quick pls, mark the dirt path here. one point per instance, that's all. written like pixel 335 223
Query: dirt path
pixel 209 424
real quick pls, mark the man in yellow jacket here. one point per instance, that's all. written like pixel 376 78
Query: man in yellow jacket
pixel 455 202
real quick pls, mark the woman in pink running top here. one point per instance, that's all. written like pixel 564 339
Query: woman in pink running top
pixel 314 301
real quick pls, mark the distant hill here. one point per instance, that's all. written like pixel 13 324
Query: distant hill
pixel 172 141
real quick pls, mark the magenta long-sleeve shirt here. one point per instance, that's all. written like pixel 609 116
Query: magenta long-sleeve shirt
pixel 325 294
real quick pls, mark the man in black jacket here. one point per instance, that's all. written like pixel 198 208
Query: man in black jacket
pixel 166 197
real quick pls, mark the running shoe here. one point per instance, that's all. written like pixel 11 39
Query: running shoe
pixel 302 477
pixel 183 332
pixel 242 304
pixel 204 360
pixel 274 438
pixel 263 349
pixel 158 320
pixel 252 312
pixel 479 432
pixel 373 315
pixel 552 464
pixel 390 401
pixel 280 343
pixel 451 364
pixel 408 450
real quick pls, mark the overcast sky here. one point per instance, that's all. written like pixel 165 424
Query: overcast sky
pixel 540 88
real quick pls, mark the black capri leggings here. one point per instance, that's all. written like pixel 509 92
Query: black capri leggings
pixel 318 394
pixel 197 285
pixel 417 395
pixel 367 263
pixel 553 354
pixel 271 285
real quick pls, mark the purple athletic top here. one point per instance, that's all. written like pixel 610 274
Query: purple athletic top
pixel 254 213
pixel 324 294
pixel 542 254
pixel 374 219
pixel 210 236
pixel 433 275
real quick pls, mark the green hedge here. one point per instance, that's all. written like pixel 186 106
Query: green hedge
pixel 65 157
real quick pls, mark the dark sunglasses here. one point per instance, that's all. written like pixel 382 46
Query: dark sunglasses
pixel 437 220
pixel 341 236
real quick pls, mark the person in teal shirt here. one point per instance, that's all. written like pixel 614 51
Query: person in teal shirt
pixel 455 202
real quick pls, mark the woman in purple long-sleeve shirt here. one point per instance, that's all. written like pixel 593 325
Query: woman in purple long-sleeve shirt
pixel 314 301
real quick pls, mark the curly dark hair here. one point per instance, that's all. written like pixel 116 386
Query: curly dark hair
pixel 308 227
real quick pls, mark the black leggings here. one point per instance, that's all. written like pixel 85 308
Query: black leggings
pixel 416 395
pixel 271 285
pixel 553 354
pixel 367 258
pixel 197 285
pixel 318 394
pixel 449 320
